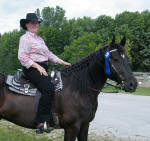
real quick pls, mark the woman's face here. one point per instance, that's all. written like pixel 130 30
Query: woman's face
pixel 32 26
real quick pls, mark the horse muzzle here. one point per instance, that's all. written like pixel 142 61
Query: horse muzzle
pixel 129 85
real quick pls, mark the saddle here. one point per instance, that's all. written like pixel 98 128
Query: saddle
pixel 19 84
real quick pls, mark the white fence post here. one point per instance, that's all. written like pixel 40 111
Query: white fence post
pixel 143 78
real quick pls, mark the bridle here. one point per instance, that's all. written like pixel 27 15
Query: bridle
pixel 120 86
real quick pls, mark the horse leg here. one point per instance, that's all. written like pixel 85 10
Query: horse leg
pixel 71 134
pixel 83 134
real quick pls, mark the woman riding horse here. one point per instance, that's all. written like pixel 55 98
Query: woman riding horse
pixel 77 103
pixel 34 55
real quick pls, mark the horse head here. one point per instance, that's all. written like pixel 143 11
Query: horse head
pixel 120 70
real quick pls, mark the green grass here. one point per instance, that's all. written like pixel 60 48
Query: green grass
pixel 18 135
pixel 142 91
pixel 139 91
pixel 12 132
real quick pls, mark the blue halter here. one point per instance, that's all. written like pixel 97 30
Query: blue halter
pixel 107 66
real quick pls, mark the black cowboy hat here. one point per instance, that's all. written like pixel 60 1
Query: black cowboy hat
pixel 29 17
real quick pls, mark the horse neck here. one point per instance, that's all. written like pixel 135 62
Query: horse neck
pixel 96 73
pixel 87 74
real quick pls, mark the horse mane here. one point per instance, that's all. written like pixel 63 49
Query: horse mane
pixel 82 74
pixel 81 64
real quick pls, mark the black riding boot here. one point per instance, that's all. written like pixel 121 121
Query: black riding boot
pixel 46 119
pixel 53 118
pixel 47 126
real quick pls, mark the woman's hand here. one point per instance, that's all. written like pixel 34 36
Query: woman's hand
pixel 40 69
pixel 66 64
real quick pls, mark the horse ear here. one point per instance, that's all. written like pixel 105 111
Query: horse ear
pixel 123 41
pixel 113 40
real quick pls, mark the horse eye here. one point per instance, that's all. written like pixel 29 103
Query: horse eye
pixel 123 56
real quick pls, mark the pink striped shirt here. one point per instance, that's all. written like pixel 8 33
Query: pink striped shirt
pixel 32 49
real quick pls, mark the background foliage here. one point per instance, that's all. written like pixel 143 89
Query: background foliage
pixel 72 39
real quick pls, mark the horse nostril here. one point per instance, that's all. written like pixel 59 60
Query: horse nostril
pixel 131 85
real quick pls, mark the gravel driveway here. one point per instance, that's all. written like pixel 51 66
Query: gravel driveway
pixel 123 116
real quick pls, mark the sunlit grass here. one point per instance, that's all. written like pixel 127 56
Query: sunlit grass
pixel 139 91
pixel 18 135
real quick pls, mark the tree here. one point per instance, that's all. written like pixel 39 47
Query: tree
pixel 75 38
pixel 104 22
pixel 9 52
pixel 145 53
pixel 140 52
pixel 105 27
pixel 87 43
pixel 133 20
pixel 52 38
pixel 146 16
pixel 53 16
pixel 37 12
pixel 123 30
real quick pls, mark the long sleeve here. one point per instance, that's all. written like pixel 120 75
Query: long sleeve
pixel 52 57
pixel 23 53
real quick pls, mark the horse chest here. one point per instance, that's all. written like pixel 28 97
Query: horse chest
pixel 87 112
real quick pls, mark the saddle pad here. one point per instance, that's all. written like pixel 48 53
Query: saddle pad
pixel 13 86
pixel 28 89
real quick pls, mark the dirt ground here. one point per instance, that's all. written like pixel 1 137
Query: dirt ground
pixel 123 116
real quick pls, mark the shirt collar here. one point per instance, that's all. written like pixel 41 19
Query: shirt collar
pixel 32 34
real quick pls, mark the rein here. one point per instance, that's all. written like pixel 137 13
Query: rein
pixel 115 86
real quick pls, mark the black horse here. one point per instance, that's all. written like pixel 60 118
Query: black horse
pixel 76 104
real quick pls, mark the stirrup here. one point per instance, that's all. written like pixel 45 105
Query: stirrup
pixel 44 128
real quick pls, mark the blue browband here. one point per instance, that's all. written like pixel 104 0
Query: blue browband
pixel 107 66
